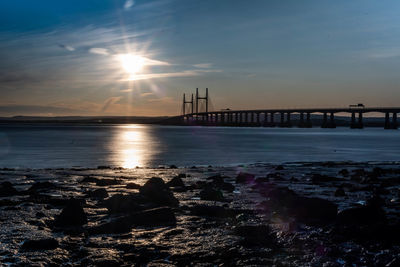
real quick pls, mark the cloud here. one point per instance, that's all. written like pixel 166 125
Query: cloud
pixel 67 47
pixel 98 51
pixel 203 65
pixel 128 4
pixel 36 110
pixel 109 102
pixel 146 94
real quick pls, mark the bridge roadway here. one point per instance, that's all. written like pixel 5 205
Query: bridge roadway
pixel 266 117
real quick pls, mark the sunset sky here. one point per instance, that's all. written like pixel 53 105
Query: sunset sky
pixel 137 57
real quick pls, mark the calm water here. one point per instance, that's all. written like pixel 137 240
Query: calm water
pixel 141 145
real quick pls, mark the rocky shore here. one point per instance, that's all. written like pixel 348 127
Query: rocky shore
pixel 303 214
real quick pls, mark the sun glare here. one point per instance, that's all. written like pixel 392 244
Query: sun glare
pixel 132 64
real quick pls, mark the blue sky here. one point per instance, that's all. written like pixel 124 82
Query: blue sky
pixel 70 57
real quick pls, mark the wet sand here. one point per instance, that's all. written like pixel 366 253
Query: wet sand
pixel 318 214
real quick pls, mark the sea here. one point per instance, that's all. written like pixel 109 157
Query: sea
pixel 131 146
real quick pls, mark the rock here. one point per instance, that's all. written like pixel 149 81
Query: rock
pixel 88 179
pixel 320 178
pixel 218 182
pixel 72 215
pixel 344 172
pixel 211 211
pixel 256 235
pixel 107 182
pixel 261 180
pixel 158 192
pixel 100 182
pixel 41 244
pixel 132 186
pixel 279 168
pixel 163 216
pixel 176 182
pixel 120 203
pixel 209 193
pixel 173 167
pixel 244 177
pixel 361 216
pixel 340 192
pixel 7 189
pixel 312 211
pixel 101 167
pixel 100 193
pixel 41 186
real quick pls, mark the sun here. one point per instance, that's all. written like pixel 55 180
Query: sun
pixel 132 64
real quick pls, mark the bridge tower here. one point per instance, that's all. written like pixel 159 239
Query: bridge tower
pixel 187 102
pixel 198 97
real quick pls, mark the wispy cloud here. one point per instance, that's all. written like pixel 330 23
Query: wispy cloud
pixel 128 4
pixel 203 65
pixel 99 51
pixel 67 47
pixel 109 102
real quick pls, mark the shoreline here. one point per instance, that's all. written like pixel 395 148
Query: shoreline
pixel 231 215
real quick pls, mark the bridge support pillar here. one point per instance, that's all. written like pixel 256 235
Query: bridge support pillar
pixel 324 121
pixel 272 119
pixel 391 124
pixel 258 118
pixel 282 124
pixel 331 123
pixel 265 119
pixel 288 120
pixel 308 122
pixel 301 120
pixel 357 124
pixel 252 118
pixel 394 121
pixel 246 118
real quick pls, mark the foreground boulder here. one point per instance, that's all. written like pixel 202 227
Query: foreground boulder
pixel 40 186
pixel 256 235
pixel 72 215
pixel 120 203
pixel 7 189
pixel 286 203
pixel 176 182
pixel 163 216
pixel 158 192
pixel 244 177
pixel 100 193
pixel 209 193
pixel 41 244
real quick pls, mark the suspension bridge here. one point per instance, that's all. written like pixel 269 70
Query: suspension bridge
pixel 198 110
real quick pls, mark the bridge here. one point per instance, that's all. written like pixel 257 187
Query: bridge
pixel 278 117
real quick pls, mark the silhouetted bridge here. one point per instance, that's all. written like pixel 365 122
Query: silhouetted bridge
pixel 278 117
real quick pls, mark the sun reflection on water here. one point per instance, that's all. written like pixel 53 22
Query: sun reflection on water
pixel 134 145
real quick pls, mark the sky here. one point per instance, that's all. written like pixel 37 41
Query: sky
pixel 137 57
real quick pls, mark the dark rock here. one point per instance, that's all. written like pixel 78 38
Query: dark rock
pixel 41 186
pixel 307 210
pixel 173 167
pixel 120 203
pixel 218 182
pixel 260 180
pixel 256 235
pixel 361 216
pixel 107 182
pixel 209 193
pixel 182 175
pixel 211 211
pixel 344 172
pixel 320 178
pixel 314 210
pixel 89 179
pixel 163 216
pixel 100 193
pixel 158 192
pixel 72 215
pixel 340 192
pixel 279 168
pixel 244 177
pixel 176 182
pixel 7 189
pixel 101 167
pixel 132 186
pixel 41 244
